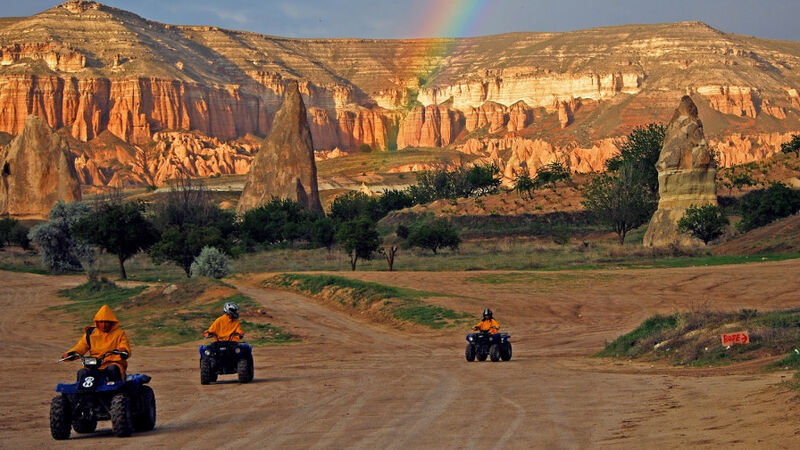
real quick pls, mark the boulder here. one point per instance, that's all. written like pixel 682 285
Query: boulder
pixel 686 174
pixel 284 167
pixel 36 170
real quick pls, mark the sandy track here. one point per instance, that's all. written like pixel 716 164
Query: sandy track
pixel 360 385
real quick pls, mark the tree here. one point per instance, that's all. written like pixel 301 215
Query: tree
pixel 620 201
pixel 119 228
pixel 353 205
pixel 706 222
pixel 524 186
pixel 641 151
pixel 276 221
pixel 394 200
pixel 550 174
pixel 434 235
pixel 793 146
pixel 61 250
pixel 763 206
pixel 323 232
pixel 13 232
pixel 359 239
pixel 188 220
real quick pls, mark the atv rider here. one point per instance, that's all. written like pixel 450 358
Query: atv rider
pixel 105 336
pixel 488 323
pixel 227 326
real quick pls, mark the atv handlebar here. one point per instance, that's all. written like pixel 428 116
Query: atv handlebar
pixel 210 334
pixel 75 355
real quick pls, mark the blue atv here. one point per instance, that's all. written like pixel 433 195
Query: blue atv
pixel 482 344
pixel 226 357
pixel 129 404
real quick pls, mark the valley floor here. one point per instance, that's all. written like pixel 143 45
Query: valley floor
pixel 351 383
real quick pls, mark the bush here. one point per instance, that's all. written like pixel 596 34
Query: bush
pixel 365 148
pixel 394 200
pixel 706 222
pixel 211 263
pixel 323 232
pixel 62 251
pixel 434 235
pixel 279 220
pixel 524 186
pixel 476 180
pixel 763 206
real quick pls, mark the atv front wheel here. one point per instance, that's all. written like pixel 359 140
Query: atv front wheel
pixel 482 354
pixel 494 352
pixel 81 425
pixel 469 353
pixel 244 368
pixel 505 352
pixel 121 416
pixel 207 374
pixel 146 419
pixel 60 411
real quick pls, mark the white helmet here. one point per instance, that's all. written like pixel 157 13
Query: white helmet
pixel 231 309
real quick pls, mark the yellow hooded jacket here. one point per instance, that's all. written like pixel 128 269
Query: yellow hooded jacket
pixel 103 342
pixel 489 324
pixel 224 326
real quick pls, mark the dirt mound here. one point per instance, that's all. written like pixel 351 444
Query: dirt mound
pixel 782 236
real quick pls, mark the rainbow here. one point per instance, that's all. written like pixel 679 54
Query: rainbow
pixel 449 19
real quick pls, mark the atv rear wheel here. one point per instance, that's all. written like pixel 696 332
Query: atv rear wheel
pixel 505 352
pixel 494 352
pixel 60 412
pixel 244 368
pixel 121 415
pixel 81 425
pixel 469 353
pixel 146 419
pixel 207 374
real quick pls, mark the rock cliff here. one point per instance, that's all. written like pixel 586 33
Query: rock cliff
pixel 686 175
pixel 284 167
pixel 89 69
pixel 36 170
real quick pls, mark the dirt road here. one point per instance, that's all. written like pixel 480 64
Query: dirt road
pixel 360 385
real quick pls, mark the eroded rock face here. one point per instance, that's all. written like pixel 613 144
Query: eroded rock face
pixel 284 167
pixel 36 170
pixel 685 177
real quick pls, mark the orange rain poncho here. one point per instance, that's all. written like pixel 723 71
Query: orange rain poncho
pixel 224 326
pixel 488 324
pixel 102 342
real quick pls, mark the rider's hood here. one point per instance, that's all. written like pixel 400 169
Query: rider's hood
pixel 105 313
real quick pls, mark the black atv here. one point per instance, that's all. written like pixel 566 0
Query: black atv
pixel 129 404
pixel 482 344
pixel 226 357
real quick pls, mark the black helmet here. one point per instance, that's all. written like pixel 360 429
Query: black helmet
pixel 487 313
pixel 231 309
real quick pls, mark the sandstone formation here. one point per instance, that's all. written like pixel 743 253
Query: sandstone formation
pixel 36 170
pixel 284 167
pixel 686 174
pixel 91 69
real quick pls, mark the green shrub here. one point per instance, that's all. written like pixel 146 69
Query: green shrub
pixel 706 222
pixel 764 206
pixel 211 263
pixel 434 235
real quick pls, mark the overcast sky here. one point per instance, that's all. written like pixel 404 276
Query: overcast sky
pixel 776 19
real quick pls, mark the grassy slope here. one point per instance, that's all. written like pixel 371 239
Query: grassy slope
pixel 393 303
pixel 693 338
pixel 153 318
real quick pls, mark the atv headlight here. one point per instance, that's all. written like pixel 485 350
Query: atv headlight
pixel 470 338
pixel 237 350
pixel 207 352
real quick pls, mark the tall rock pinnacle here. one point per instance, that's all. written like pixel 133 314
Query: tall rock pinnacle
pixel 284 167
pixel 686 174
pixel 36 170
